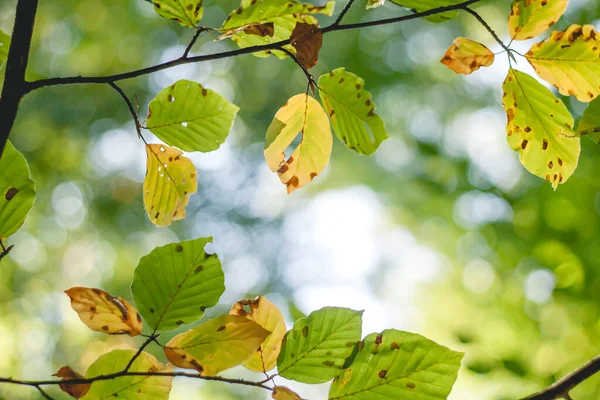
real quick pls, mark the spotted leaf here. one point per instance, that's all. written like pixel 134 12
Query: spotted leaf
pixel 570 60
pixel 76 390
pixel 351 111
pixel 131 387
pixel 283 14
pixel 267 315
pixel 315 349
pixel 191 117
pixel 301 114
pixel 17 191
pixel 466 56
pixel 105 313
pixel 529 18
pixel 284 393
pixel 540 128
pixel 216 345
pixel 425 5
pixel 398 365
pixel 169 182
pixel 589 124
pixel 174 284
pixel 185 12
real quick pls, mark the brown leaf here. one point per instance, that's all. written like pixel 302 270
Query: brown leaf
pixel 307 39
pixel 76 390
pixel 267 29
pixel 105 313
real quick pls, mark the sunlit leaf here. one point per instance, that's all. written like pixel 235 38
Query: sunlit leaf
pixel 169 182
pixel 315 349
pixel 540 128
pixel 174 284
pixel 466 56
pixel 529 18
pixel 589 124
pixel 267 315
pixel 129 387
pixel 216 345
pixel 105 313
pixel 570 60
pixel 186 12
pixel 4 46
pixel 284 393
pixel 191 117
pixel 398 365
pixel 374 3
pixel 352 111
pixel 283 14
pixel 17 191
pixel 425 5
pixel 76 390
pixel 301 114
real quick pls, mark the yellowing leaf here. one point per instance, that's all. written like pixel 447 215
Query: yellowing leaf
pixel 301 114
pixel 267 315
pixel 424 5
pixel 540 128
pixel 76 390
pixel 374 3
pixel 466 56
pixel 590 121
pixel 283 14
pixel 529 18
pixel 105 313
pixel 570 60
pixel 169 182
pixel 307 39
pixel 284 393
pixel 186 12
pixel 216 345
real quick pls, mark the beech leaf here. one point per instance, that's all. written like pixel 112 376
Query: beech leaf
pixel 307 39
pixel 466 56
pixel 529 18
pixel 589 124
pixel 185 12
pixel 76 390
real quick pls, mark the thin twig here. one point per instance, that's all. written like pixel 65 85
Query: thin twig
pixel 43 393
pixel 193 41
pixel 561 388
pixel 4 250
pixel 343 13
pixel 490 30
pixel 311 79
pixel 149 340
pixel 136 119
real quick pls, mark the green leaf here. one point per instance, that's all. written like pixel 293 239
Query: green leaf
pixel 351 110
pixel 188 116
pixel 540 128
pixel 17 191
pixel 129 387
pixel 425 5
pixel 283 14
pixel 174 284
pixel 186 12
pixel 570 60
pixel 374 3
pixel 589 124
pixel 529 18
pixel 170 180
pixel 398 365
pixel 315 349
pixel 4 46
pixel 301 114
pixel 216 345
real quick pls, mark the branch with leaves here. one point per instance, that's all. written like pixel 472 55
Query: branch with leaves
pixel 327 345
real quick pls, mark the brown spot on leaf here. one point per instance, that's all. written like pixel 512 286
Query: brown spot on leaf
pixel 394 346
pixel 10 193
pixel 179 248
pixel 545 145
pixel 329 363
pixel 378 339
pixel 221 328
pixel 524 144
pixel 382 373
pixel 305 331
pixel 411 385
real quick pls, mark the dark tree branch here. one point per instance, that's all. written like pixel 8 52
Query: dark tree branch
pixel 343 13
pixel 44 394
pixel 16 65
pixel 136 119
pixel 488 28
pixel 192 42
pixel 153 336
pixel 561 389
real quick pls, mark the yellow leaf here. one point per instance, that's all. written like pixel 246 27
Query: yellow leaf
pixel 570 60
pixel 529 18
pixel 466 56
pixel 284 393
pixel 76 390
pixel 301 114
pixel 169 182
pixel 267 315
pixel 540 128
pixel 105 313
pixel 216 345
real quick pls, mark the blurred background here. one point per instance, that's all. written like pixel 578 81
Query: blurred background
pixel 441 232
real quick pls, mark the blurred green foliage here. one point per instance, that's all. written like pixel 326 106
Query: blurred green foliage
pixel 517 282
